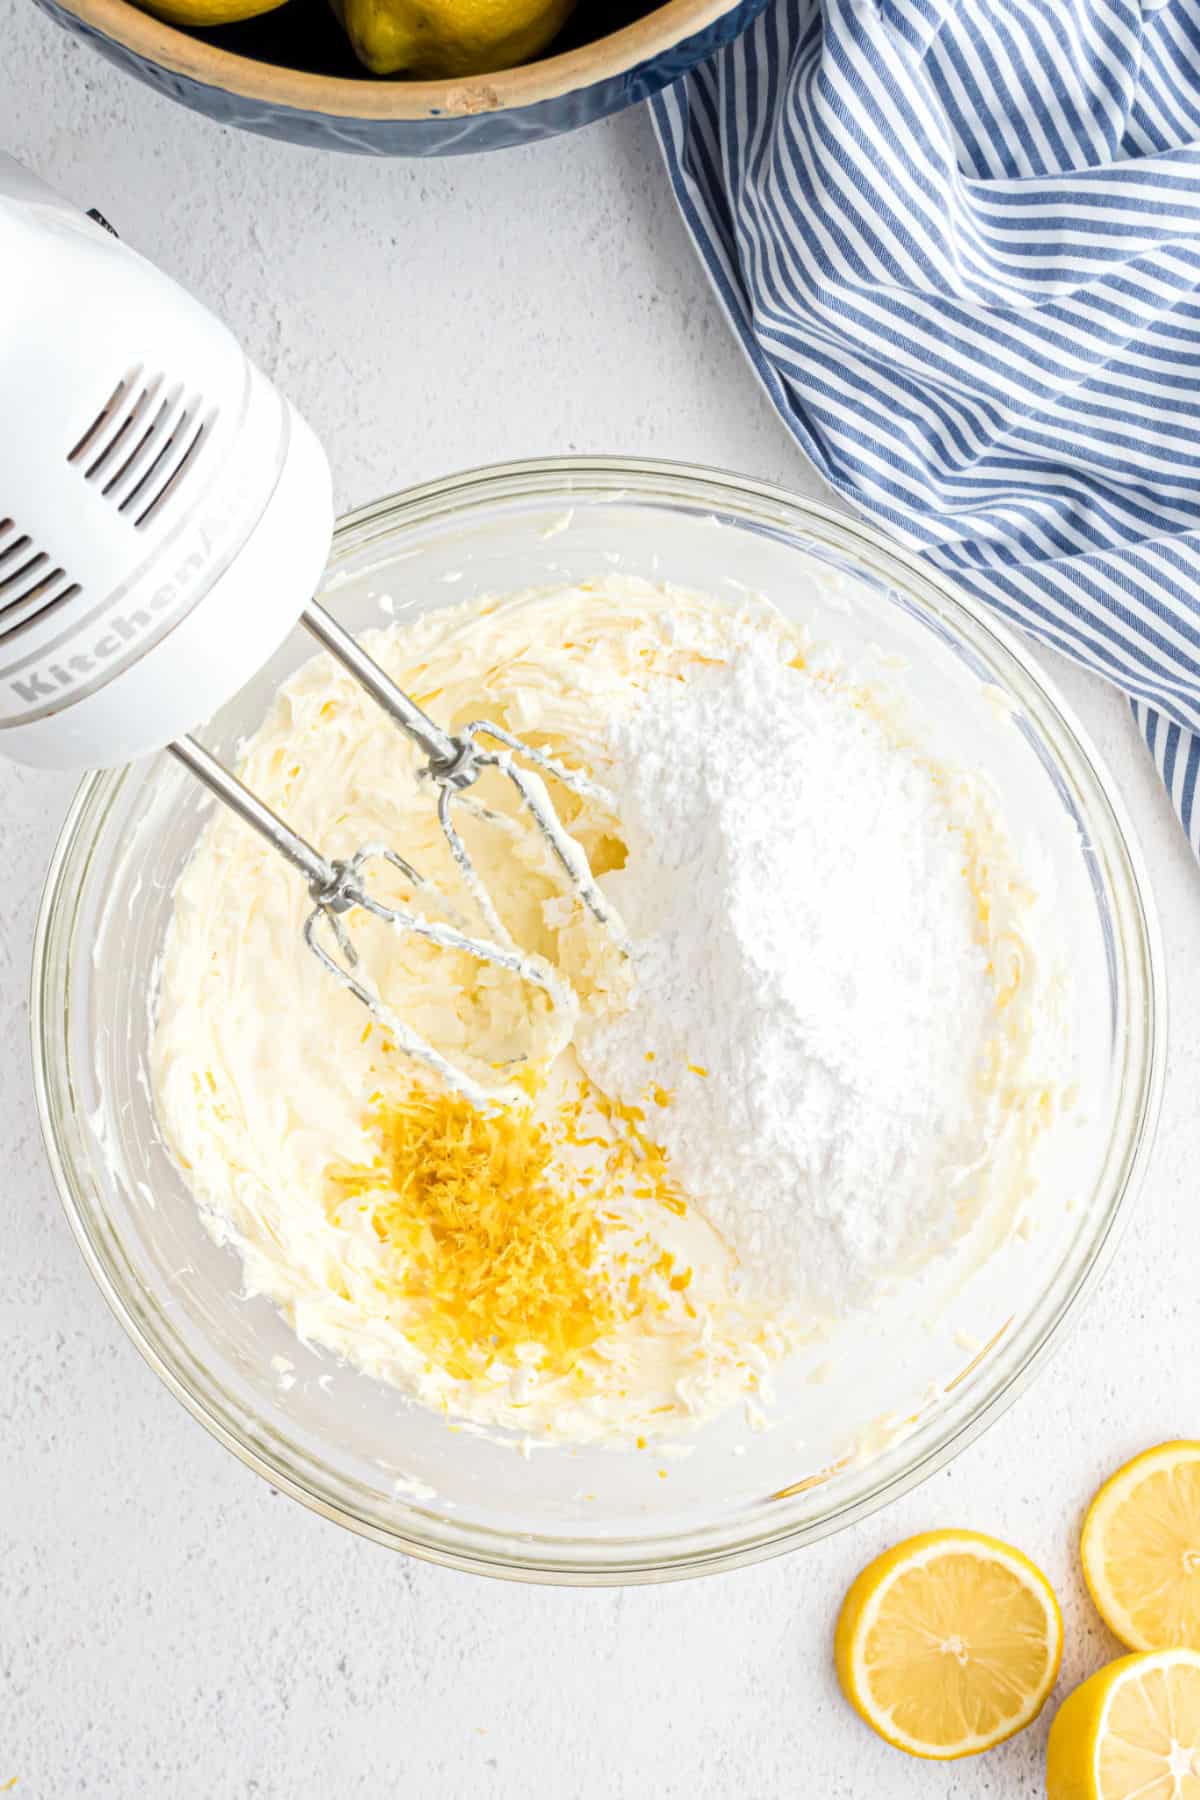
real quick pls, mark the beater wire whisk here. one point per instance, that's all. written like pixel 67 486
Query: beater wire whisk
pixel 452 763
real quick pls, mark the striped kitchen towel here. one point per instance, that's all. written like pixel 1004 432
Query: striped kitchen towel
pixel 960 243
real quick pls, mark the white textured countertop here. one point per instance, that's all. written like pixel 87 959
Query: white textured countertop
pixel 169 1627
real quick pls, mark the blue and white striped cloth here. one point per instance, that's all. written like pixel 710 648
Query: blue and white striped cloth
pixel 960 242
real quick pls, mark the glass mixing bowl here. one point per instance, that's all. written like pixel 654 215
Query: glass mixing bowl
pixel 899 1396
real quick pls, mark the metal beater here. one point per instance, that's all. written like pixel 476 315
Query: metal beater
pixel 452 765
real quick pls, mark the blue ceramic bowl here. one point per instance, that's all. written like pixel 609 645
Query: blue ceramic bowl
pixel 290 74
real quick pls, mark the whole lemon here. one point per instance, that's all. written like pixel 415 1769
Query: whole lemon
pixel 436 38
pixel 192 14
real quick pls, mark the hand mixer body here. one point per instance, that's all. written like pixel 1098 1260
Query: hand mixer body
pixel 164 512
pixel 164 517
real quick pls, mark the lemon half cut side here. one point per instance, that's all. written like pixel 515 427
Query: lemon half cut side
pixel 949 1643
pixel 1140 1549
pixel 1130 1732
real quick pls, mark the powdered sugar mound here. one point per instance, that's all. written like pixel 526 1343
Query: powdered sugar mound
pixel 806 936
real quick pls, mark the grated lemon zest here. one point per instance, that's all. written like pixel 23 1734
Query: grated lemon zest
pixel 492 1242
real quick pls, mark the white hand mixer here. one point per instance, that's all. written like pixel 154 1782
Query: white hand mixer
pixel 164 517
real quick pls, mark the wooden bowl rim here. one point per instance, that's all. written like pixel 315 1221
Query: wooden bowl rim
pixel 373 98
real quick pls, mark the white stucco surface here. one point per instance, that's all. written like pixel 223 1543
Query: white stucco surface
pixel 169 1627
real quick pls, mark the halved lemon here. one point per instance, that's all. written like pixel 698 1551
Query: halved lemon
pixel 949 1643
pixel 1141 1549
pixel 1132 1729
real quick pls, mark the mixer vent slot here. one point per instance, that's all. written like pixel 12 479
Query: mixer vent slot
pixel 31 583
pixel 142 443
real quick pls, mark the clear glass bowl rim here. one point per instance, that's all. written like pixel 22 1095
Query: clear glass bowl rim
pixel 560 481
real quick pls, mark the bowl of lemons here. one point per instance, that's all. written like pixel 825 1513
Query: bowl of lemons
pixel 406 77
